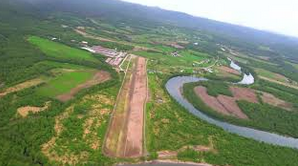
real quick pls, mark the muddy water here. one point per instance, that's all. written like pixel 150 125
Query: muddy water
pixel 247 78
pixel 174 85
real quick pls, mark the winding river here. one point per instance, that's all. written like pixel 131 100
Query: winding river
pixel 174 86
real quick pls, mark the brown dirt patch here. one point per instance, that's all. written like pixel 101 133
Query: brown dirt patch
pixel 224 104
pixel 21 86
pixel 244 94
pixel 125 135
pixel 211 101
pixel 229 70
pixel 228 105
pixel 99 77
pixel 24 111
pixel 231 106
pixel 167 154
pixel 272 100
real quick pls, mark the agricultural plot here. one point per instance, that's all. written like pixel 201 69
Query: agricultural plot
pixel 186 59
pixel 61 51
pixel 70 82
pixel 125 135
pixel 276 78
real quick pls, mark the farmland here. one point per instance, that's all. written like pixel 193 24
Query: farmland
pixel 57 50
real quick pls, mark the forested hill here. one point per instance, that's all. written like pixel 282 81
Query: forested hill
pixel 116 11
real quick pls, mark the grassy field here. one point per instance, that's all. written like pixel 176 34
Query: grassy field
pixel 271 75
pixel 186 59
pixel 65 82
pixel 58 50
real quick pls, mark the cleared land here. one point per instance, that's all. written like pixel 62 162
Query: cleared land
pixel 125 135
pixel 58 50
pixel 279 82
pixel 272 100
pixel 228 70
pixel 99 77
pixel 222 104
pixel 69 81
pixel 24 111
pixel 271 75
pixel 228 105
pixel 21 86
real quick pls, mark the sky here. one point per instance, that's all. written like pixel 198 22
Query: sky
pixel 279 16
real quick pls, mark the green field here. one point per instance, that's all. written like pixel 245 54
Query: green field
pixel 58 50
pixel 271 75
pixel 64 83
pixel 186 59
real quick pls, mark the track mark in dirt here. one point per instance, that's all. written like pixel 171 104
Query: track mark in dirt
pixel 125 135
pixel 99 77
pixel 229 70
pixel 24 111
pixel 21 86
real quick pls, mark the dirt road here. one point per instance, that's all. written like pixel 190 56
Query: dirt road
pixel 125 136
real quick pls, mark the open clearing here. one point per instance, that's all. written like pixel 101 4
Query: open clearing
pixel 279 82
pixel 69 82
pixel 58 50
pixel 228 70
pixel 98 77
pixel 22 86
pixel 24 111
pixel 222 104
pixel 125 134
pixel 272 100
pixel 228 105
pixel 271 75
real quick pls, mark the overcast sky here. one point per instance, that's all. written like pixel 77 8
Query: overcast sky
pixel 279 16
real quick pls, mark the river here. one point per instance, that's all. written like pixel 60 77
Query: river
pixel 247 78
pixel 174 85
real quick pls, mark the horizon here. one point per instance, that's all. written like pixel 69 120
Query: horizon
pixel 280 17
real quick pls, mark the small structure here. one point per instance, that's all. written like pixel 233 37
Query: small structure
pixel 175 54
pixel 88 49
pixel 84 42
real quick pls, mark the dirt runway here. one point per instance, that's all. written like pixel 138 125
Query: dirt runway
pixel 125 136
